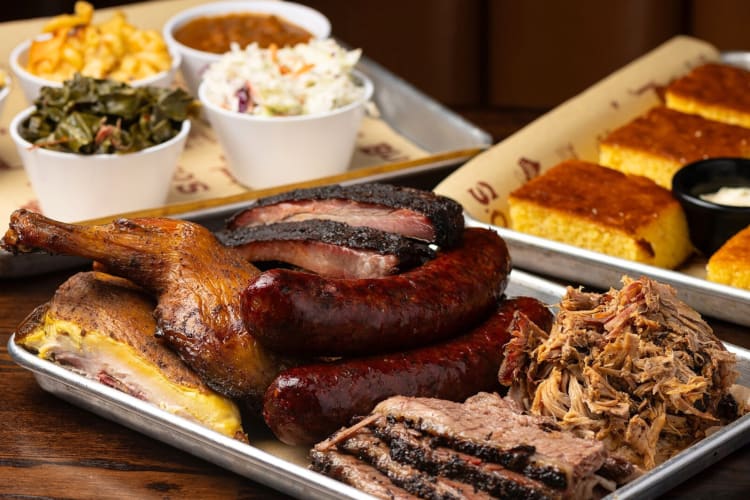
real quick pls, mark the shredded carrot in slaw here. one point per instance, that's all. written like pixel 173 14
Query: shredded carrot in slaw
pixel 304 79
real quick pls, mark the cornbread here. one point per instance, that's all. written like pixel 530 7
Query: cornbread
pixel 594 207
pixel 660 142
pixel 730 264
pixel 718 92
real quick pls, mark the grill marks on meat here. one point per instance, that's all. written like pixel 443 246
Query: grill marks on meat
pixel 406 211
pixel 484 447
pixel 329 248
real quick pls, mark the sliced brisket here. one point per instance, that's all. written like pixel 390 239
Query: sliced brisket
pixel 484 447
pixel 363 476
pixel 426 452
pixel 407 211
pixel 527 444
pixel 329 248
pixel 374 451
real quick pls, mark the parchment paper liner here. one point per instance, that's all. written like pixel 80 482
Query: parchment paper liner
pixel 571 130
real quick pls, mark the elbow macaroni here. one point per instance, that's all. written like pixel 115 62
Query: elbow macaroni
pixel 113 49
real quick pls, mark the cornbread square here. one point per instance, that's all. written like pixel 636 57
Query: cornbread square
pixel 660 142
pixel 594 207
pixel 730 264
pixel 715 91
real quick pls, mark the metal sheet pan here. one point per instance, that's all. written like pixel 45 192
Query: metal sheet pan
pixel 551 258
pixel 449 139
pixel 284 468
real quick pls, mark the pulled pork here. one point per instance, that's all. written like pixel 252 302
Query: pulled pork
pixel 636 368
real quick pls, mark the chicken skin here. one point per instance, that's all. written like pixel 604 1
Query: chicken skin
pixel 102 327
pixel 195 280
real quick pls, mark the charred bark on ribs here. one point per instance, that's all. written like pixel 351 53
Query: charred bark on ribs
pixel 329 248
pixel 401 210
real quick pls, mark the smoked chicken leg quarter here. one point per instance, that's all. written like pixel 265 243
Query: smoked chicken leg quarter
pixel 196 282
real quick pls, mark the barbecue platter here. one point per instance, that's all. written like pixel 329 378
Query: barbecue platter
pixel 380 341
pixel 417 377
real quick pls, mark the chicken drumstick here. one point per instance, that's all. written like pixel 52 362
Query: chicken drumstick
pixel 196 280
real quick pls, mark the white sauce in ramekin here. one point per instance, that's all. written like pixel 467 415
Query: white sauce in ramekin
pixel 731 196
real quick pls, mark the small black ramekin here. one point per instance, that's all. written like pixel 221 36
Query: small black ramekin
pixel 712 224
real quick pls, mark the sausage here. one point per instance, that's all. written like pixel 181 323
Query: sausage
pixel 307 403
pixel 300 313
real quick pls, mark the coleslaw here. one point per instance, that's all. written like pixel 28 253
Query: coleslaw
pixel 310 78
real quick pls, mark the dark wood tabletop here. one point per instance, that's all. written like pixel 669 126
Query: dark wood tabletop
pixel 52 449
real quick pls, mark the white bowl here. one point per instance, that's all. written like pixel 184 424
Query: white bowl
pixel 265 151
pixel 4 95
pixel 31 84
pixel 73 187
pixel 195 62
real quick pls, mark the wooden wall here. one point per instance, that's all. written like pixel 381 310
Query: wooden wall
pixel 504 53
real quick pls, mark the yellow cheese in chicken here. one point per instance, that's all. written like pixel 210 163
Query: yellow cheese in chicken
pixel 103 328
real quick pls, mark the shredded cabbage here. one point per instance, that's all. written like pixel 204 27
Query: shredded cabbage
pixel 308 78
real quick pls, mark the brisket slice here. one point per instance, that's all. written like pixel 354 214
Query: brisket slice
pixel 329 248
pixel 369 448
pixel 410 212
pixel 435 449
pixel 529 444
pixel 363 476
pixel 427 453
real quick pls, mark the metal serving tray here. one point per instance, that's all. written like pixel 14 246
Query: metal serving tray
pixel 551 258
pixel 586 267
pixel 282 467
pixel 448 138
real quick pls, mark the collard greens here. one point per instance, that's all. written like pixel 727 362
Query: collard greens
pixel 94 116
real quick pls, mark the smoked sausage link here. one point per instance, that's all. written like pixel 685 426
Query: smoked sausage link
pixel 299 313
pixel 305 404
